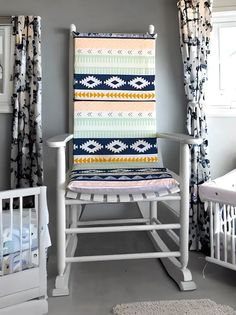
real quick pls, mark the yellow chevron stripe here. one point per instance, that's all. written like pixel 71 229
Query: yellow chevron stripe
pixel 115 159
pixel 114 95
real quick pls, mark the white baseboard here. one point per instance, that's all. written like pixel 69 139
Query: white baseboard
pixel 35 307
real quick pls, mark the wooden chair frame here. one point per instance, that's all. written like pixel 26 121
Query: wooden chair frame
pixel 175 262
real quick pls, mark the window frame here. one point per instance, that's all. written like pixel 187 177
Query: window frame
pixel 218 19
pixel 5 97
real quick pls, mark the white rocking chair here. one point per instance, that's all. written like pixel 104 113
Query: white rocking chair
pixel 122 172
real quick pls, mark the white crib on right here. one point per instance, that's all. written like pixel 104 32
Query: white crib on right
pixel 219 196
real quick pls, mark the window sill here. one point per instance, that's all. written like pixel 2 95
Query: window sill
pixel 215 111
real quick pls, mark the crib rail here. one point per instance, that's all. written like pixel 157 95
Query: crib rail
pixel 19 229
pixel 222 234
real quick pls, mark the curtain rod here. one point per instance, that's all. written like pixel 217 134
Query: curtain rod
pixel 151 29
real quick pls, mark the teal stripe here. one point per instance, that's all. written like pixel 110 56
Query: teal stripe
pixel 114 123
pixel 115 133
pixel 122 61
pixel 131 60
pixel 113 70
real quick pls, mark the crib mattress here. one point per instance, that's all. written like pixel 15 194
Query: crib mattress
pixel 11 239
pixel 222 189
pixel 19 252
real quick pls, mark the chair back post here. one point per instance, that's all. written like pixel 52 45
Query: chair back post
pixel 71 89
pixel 151 30
pixel 71 72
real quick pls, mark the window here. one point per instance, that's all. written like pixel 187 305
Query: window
pixel 5 68
pixel 221 87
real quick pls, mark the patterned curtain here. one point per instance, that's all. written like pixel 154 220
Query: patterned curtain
pixel 195 29
pixel 26 145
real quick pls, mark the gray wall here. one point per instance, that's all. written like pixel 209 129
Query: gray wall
pixel 5 138
pixel 94 15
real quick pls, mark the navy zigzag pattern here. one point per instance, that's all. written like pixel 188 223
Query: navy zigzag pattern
pixel 114 82
pixel 110 146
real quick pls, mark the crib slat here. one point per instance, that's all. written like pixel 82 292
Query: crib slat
pixel 36 205
pixel 11 217
pixel 228 230
pixel 11 270
pixel 211 231
pixel 30 238
pixel 21 228
pixel 216 229
pixel 233 216
pixel 225 232
pixel 1 239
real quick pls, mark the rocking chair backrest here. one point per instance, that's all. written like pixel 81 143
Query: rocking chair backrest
pixel 114 98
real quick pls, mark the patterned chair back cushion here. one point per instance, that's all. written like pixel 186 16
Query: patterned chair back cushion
pixel 114 98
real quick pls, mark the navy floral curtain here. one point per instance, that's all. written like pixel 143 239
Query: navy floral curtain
pixel 26 145
pixel 195 28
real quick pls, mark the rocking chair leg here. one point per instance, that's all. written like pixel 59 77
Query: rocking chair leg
pixel 185 284
pixel 61 288
pixel 62 280
pixel 177 269
pixel 61 283
pixel 184 205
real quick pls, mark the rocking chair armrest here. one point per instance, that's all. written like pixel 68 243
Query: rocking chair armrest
pixel 59 141
pixel 182 138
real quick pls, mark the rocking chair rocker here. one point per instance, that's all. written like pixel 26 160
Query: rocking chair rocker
pixel 115 154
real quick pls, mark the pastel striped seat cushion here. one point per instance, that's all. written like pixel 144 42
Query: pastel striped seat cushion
pixel 126 180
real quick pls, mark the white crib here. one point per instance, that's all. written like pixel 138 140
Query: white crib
pixel 23 239
pixel 220 200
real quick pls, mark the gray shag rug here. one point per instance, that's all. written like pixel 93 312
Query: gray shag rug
pixel 179 307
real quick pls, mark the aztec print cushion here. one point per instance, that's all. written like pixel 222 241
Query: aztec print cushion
pixel 115 148
pixel 126 180
pixel 114 98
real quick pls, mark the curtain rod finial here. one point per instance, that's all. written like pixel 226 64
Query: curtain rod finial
pixel 72 28
pixel 151 30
